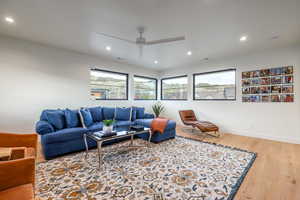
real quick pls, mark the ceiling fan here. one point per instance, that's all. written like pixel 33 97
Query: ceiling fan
pixel 141 41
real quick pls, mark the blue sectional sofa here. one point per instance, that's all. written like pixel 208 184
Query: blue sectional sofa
pixel 62 130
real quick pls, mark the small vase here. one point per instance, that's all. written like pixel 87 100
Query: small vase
pixel 107 129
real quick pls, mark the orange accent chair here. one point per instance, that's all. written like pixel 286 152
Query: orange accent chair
pixel 189 118
pixel 17 174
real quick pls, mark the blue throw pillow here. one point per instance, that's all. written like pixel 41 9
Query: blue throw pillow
pixel 123 114
pixel 56 118
pixel 140 112
pixel 44 114
pixel 96 113
pixel 85 117
pixel 108 113
pixel 72 118
pixel 133 113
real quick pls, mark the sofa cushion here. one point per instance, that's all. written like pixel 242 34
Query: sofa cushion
pixel 44 114
pixel 147 123
pixel 85 117
pixel 133 113
pixel 140 112
pixel 43 127
pixel 56 118
pixel 72 118
pixel 108 112
pixel 148 116
pixel 123 123
pixel 96 113
pixel 96 126
pixel 64 135
pixel 123 114
pixel 24 192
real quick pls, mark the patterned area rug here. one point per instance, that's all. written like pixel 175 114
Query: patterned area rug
pixel 179 169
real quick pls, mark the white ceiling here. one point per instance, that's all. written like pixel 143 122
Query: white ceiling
pixel 212 27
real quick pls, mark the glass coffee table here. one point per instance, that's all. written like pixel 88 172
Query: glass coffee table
pixel 97 137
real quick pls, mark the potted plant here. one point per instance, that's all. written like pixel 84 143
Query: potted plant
pixel 158 108
pixel 108 125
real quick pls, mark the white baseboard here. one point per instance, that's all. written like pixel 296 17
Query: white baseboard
pixel 265 136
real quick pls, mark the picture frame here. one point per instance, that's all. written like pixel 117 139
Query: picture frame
pixel 255 90
pixel 275 98
pixel 255 98
pixel 268 85
pixel 265 98
pixel 246 90
pixel 287 98
pixel 255 74
pixel 275 71
pixel 255 81
pixel 265 81
pixel 276 80
pixel 288 79
pixel 246 99
pixel 265 89
pixel 264 72
pixel 287 70
pixel 246 82
pixel 275 89
pixel 246 75
pixel 287 89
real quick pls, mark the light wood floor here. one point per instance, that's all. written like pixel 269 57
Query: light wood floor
pixel 275 174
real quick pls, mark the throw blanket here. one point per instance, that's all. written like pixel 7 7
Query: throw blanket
pixel 159 125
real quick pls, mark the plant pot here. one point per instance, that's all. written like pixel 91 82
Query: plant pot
pixel 108 129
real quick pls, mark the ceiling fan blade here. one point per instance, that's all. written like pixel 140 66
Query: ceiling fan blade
pixel 115 37
pixel 165 40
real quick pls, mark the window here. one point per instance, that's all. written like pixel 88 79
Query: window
pixel 174 88
pixel 107 85
pixel 145 88
pixel 218 85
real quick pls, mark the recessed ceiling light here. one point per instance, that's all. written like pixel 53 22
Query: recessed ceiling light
pixel 155 62
pixel 108 48
pixel 189 53
pixel 9 20
pixel 243 38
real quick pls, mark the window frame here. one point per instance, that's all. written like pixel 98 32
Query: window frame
pixel 114 72
pixel 211 72
pixel 173 77
pixel 156 88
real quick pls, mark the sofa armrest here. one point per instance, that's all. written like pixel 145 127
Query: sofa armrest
pixel 17 172
pixel 148 116
pixel 43 127
pixel 18 140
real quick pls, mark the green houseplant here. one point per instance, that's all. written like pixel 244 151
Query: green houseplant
pixel 108 125
pixel 158 108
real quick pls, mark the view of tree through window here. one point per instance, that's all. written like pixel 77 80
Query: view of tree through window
pixel 174 88
pixel 144 88
pixel 108 85
pixel 215 85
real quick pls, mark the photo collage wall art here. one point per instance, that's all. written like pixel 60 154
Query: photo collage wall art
pixel 268 85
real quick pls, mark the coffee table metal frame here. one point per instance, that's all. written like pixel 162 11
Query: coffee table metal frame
pixel 100 140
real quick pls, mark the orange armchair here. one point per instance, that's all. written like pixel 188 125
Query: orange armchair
pixel 17 175
pixel 12 140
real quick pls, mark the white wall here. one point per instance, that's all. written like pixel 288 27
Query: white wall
pixel 34 77
pixel 277 121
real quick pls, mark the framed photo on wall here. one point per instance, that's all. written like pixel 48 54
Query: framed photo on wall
pixel 268 85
